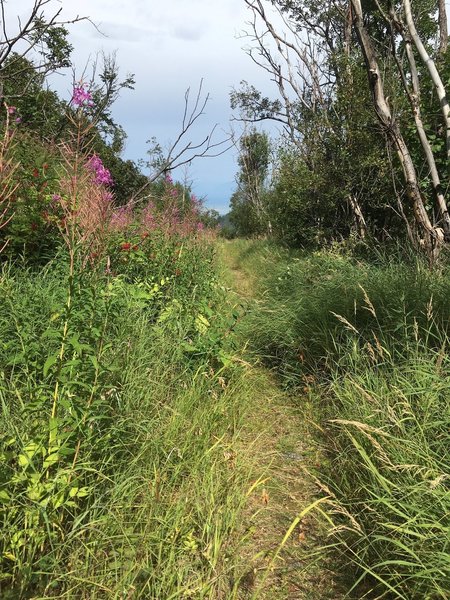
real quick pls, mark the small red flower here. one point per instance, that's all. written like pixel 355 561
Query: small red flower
pixel 144 235
pixel 45 166
pixel 125 246
pixel 35 173
pixel 135 247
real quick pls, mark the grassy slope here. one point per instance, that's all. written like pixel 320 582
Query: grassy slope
pixel 370 341
pixel 166 484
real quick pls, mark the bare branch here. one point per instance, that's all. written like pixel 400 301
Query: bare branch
pixel 31 34
pixel 182 151
pixel 297 66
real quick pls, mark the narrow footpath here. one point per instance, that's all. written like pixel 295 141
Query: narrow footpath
pixel 283 555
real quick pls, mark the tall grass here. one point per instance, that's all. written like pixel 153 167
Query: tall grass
pixel 149 506
pixel 120 399
pixel 390 441
pixel 371 339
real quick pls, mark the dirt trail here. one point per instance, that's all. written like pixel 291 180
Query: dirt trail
pixel 284 452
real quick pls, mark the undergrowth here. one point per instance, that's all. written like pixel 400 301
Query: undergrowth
pixel 368 342
pixel 121 398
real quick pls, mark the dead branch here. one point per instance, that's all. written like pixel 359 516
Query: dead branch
pixel 183 150
pixel 298 67
pixel 29 35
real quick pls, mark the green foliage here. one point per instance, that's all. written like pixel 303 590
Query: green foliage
pixel 94 369
pixel 32 231
pixel 248 203
pixel 368 344
pixel 252 104
pixel 299 215
pixel 338 175
pixel 53 44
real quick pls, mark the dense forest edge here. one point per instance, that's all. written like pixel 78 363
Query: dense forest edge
pixel 247 406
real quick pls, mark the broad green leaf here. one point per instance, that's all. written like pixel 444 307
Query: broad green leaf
pixel 51 460
pixel 9 556
pixel 4 497
pixel 51 360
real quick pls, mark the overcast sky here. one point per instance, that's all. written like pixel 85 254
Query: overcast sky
pixel 169 45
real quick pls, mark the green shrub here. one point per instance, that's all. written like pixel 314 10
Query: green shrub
pixel 106 381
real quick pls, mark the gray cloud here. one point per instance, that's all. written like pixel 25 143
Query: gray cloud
pixel 191 33
pixel 123 33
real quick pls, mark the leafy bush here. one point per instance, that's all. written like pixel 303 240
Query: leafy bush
pixel 94 365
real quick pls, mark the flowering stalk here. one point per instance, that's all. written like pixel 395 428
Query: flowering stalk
pixel 7 169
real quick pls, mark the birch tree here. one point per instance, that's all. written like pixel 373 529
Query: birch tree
pixel 322 45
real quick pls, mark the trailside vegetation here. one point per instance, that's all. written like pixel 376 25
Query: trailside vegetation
pixel 353 311
pixel 364 346
pixel 120 399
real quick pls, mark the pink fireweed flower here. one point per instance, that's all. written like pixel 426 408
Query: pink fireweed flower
pixel 148 220
pixel 200 226
pixel 12 110
pixel 82 97
pixel 121 218
pixel 102 175
pixel 196 203
pixel 168 179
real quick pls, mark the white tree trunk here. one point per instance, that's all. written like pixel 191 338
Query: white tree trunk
pixel 431 66
pixel 392 130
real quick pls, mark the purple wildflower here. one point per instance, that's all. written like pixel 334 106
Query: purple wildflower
pixel 81 96
pixel 12 110
pixel 122 217
pixel 102 175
